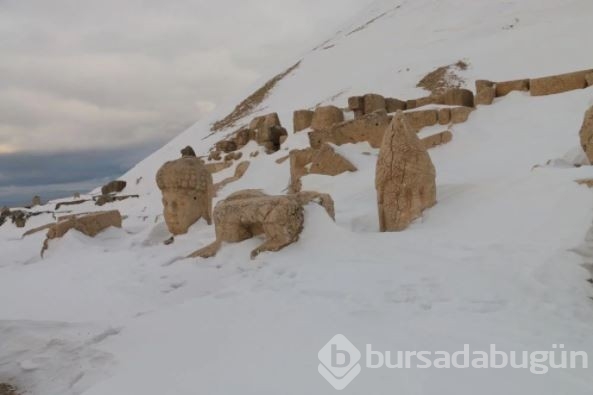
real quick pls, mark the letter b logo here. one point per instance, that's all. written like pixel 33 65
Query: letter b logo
pixel 339 362
pixel 340 358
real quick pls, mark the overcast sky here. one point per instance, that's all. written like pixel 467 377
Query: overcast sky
pixel 124 76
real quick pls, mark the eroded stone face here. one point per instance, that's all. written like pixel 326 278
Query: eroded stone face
pixel 186 185
pixel 181 209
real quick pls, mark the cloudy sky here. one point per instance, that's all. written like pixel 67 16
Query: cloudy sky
pixel 106 82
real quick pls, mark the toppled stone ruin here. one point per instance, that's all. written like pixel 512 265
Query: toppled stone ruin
pixel 240 171
pixel 188 151
pixel 113 187
pixel 250 213
pixel 187 190
pixel 586 134
pixel 326 116
pixel 328 162
pixel 405 177
pixel 19 218
pixel 269 132
pixel 437 139
pixel 7 389
pixel 369 128
pixel 225 146
pixel 485 92
pixel 460 114
pixel 4 215
pixel 105 199
pixel 302 119
pixel 372 102
pixel 89 224
pixel 506 87
pixel 422 118
pixel 324 160
pixel 72 203
pixel 219 166
pixel 559 83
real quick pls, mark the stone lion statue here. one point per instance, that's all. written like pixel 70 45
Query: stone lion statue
pixel 251 212
pixel 187 188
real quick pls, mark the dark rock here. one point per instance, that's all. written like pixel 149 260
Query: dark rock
pixel 113 187
pixel 104 199
pixel 188 151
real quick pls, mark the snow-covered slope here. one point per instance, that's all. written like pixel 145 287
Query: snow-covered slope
pixel 496 261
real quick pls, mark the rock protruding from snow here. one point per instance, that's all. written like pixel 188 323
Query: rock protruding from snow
pixel 36 201
pixel 325 161
pixel 586 134
pixel 240 171
pixel 485 92
pixel 188 151
pixel 268 131
pixel 89 224
pixel 113 187
pixel 251 212
pixel 302 119
pixel 559 83
pixel 437 139
pixel 326 116
pixel 405 177
pixel 369 128
pixel 187 188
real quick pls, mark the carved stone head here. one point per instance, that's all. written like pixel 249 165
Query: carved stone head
pixel 187 191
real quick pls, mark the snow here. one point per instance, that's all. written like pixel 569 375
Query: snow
pixel 497 260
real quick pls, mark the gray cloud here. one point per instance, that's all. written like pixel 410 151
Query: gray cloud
pixel 79 74
pixel 86 83
pixel 50 175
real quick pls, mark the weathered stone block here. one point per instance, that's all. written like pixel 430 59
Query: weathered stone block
pixel 437 139
pixel 505 87
pixel 444 116
pixel 356 103
pixel 302 119
pixel 485 92
pixel 393 105
pixel 226 146
pixel 422 118
pixel 370 128
pixel 113 187
pixel 373 102
pixel 458 97
pixel 559 83
pixel 328 162
pixel 326 116
pixel 460 114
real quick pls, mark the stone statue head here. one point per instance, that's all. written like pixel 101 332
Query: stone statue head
pixel 187 191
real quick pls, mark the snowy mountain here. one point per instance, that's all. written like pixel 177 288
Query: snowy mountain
pixel 498 260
